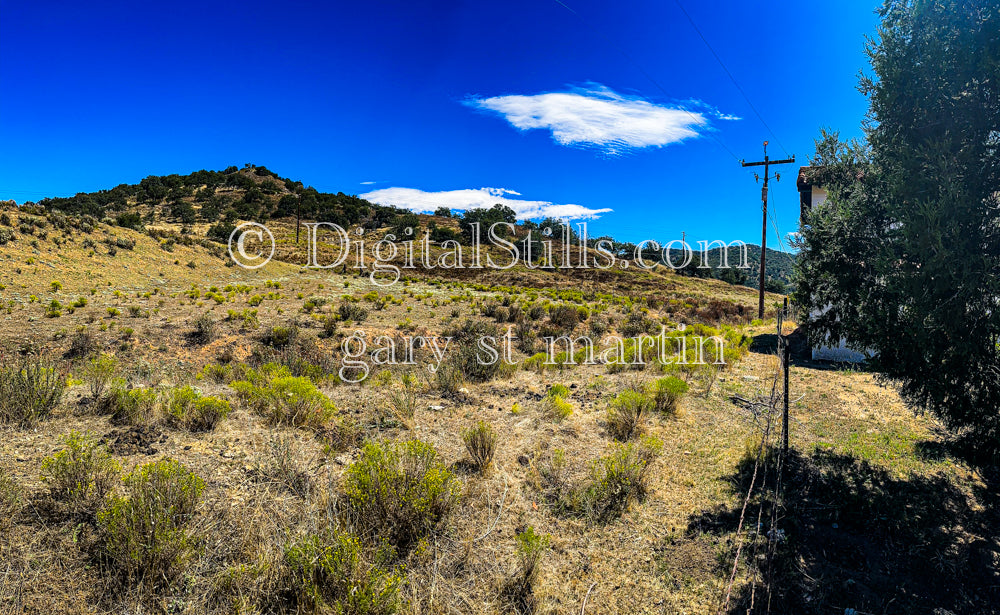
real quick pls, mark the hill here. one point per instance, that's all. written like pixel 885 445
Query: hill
pixel 211 203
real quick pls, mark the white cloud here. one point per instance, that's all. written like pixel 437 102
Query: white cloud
pixel 368 183
pixel 420 201
pixel 597 117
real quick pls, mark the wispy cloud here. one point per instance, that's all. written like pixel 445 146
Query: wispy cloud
pixel 597 117
pixel 368 183
pixel 421 201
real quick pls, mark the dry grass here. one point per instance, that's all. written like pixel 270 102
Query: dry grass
pixel 269 485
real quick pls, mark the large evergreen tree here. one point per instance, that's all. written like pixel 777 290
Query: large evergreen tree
pixel 905 255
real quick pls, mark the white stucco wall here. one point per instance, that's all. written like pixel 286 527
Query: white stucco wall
pixel 818 196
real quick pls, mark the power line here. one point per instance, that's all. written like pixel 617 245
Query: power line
pixel 774 225
pixel 733 79
pixel 642 70
pixel 772 213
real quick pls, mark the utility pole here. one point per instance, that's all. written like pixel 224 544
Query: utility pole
pixel 766 163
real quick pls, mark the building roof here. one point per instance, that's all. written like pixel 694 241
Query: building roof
pixel 807 177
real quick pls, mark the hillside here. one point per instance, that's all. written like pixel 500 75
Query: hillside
pixel 614 484
pixel 780 274
pixel 211 203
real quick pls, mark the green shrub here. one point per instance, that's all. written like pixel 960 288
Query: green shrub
pixel 637 323
pixel 476 365
pixel 247 319
pixel 626 414
pixel 352 311
pixel 536 362
pixel 555 405
pixel 666 393
pixel 217 373
pixel 481 442
pixel 527 339
pixel 144 534
pixel 204 329
pixel 402 398
pixel 554 483
pixel 11 499
pixel 55 309
pixel 519 590
pixel 285 399
pixel 489 309
pixel 29 391
pixel 98 372
pixel 219 298
pixel 449 378
pixel 81 345
pixel 599 325
pixel 280 337
pixel 565 317
pixel 531 547
pixel 333 573
pixel 80 474
pixel 629 358
pixel 400 491
pixel 188 408
pixel 129 406
pixel 304 358
pixel 557 408
pixel 558 390
pixel 329 326
pixel 618 478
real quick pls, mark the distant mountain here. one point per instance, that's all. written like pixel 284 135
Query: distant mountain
pixel 779 267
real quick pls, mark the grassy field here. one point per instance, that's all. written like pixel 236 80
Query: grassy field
pixel 296 493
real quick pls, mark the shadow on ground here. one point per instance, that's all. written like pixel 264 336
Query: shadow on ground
pixel 859 537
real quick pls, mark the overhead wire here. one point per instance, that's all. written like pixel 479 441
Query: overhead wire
pixel 774 225
pixel 645 73
pixel 730 75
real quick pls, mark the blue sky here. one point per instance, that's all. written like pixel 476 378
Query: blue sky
pixel 613 110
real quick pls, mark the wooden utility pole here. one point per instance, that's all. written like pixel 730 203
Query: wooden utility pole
pixel 766 163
